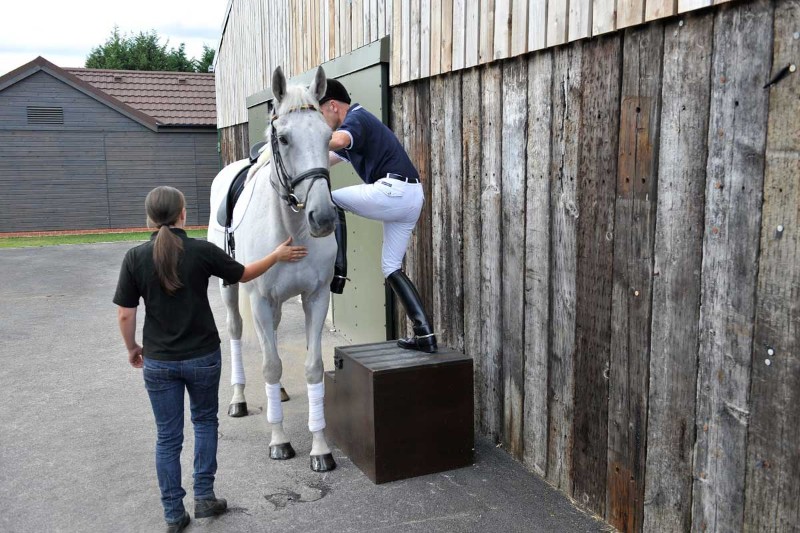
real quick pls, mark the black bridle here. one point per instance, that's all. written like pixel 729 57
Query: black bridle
pixel 287 182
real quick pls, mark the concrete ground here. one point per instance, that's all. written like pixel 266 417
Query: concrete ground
pixel 77 434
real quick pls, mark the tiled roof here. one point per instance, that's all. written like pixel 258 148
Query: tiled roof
pixel 172 98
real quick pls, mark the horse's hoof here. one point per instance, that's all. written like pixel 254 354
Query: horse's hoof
pixel 284 396
pixel 281 452
pixel 323 463
pixel 237 410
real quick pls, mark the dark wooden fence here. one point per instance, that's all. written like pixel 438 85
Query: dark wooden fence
pixel 234 142
pixel 611 231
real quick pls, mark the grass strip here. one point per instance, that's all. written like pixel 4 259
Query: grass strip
pixel 85 238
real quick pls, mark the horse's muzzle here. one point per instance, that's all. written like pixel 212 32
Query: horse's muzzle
pixel 321 222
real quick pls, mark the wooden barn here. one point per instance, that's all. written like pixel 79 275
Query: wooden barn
pixel 610 229
pixel 80 148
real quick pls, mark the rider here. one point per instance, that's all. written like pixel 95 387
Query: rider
pixel 181 344
pixel 391 193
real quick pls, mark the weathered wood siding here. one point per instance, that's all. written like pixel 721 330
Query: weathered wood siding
pixel 772 479
pixel 537 262
pixel 457 34
pixel 634 227
pixel 428 37
pixel 297 35
pixel 234 143
pixel 676 272
pixel 734 183
pixel 619 222
pixel 94 170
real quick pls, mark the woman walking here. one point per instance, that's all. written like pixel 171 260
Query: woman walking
pixel 181 346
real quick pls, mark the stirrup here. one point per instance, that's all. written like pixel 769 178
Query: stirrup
pixel 337 284
pixel 422 343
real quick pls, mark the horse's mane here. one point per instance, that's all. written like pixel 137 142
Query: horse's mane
pixel 296 96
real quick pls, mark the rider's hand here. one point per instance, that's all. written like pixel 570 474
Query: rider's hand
pixel 135 357
pixel 285 252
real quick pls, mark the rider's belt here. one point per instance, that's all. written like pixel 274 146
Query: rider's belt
pixel 398 177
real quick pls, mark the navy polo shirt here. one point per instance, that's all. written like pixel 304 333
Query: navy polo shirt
pixel 180 326
pixel 374 151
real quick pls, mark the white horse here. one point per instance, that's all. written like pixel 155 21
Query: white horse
pixel 287 194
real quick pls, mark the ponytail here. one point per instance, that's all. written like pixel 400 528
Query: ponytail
pixel 164 206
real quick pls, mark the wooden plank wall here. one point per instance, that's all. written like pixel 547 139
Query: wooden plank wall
pixel 772 464
pixel 241 68
pixel 676 272
pixel 297 35
pixel 619 220
pixel 234 143
pixel 458 34
pixel 734 184
pixel 634 227
pixel 430 37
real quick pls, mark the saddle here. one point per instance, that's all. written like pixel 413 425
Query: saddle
pixel 225 212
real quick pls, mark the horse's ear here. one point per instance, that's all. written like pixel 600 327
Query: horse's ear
pixel 278 84
pixel 319 85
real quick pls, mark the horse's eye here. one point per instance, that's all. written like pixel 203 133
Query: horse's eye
pixel 283 140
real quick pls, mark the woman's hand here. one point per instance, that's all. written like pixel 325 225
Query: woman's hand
pixel 135 357
pixel 285 252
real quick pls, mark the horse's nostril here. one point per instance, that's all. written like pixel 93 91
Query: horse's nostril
pixel 321 221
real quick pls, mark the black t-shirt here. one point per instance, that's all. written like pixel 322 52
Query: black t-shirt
pixel 180 326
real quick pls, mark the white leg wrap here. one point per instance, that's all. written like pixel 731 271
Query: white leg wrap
pixel 316 409
pixel 274 407
pixel 237 369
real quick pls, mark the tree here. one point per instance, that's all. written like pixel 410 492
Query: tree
pixel 206 61
pixel 177 60
pixel 144 51
pixel 112 55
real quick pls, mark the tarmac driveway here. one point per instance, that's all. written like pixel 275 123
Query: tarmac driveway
pixel 77 435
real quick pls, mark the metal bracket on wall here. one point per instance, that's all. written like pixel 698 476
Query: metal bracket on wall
pixel 781 74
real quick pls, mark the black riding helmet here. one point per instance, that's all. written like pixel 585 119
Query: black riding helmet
pixel 335 91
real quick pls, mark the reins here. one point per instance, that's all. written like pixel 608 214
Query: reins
pixel 287 181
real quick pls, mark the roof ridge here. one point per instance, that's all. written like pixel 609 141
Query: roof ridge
pixel 165 72
pixel 151 97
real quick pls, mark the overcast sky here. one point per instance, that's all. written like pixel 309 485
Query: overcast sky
pixel 65 31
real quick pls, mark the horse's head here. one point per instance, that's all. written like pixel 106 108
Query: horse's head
pixel 299 138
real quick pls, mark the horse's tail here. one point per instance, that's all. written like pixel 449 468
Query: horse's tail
pixel 246 311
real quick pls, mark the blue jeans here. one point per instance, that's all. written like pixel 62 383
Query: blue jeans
pixel 165 382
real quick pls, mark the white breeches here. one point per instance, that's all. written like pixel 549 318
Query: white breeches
pixel 396 203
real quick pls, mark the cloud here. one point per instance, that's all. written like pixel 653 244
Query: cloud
pixel 30 48
pixel 66 32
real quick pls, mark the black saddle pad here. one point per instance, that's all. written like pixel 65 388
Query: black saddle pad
pixel 225 213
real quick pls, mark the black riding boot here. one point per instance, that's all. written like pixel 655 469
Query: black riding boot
pixel 340 267
pixel 424 339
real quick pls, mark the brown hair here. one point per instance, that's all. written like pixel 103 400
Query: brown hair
pixel 164 206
